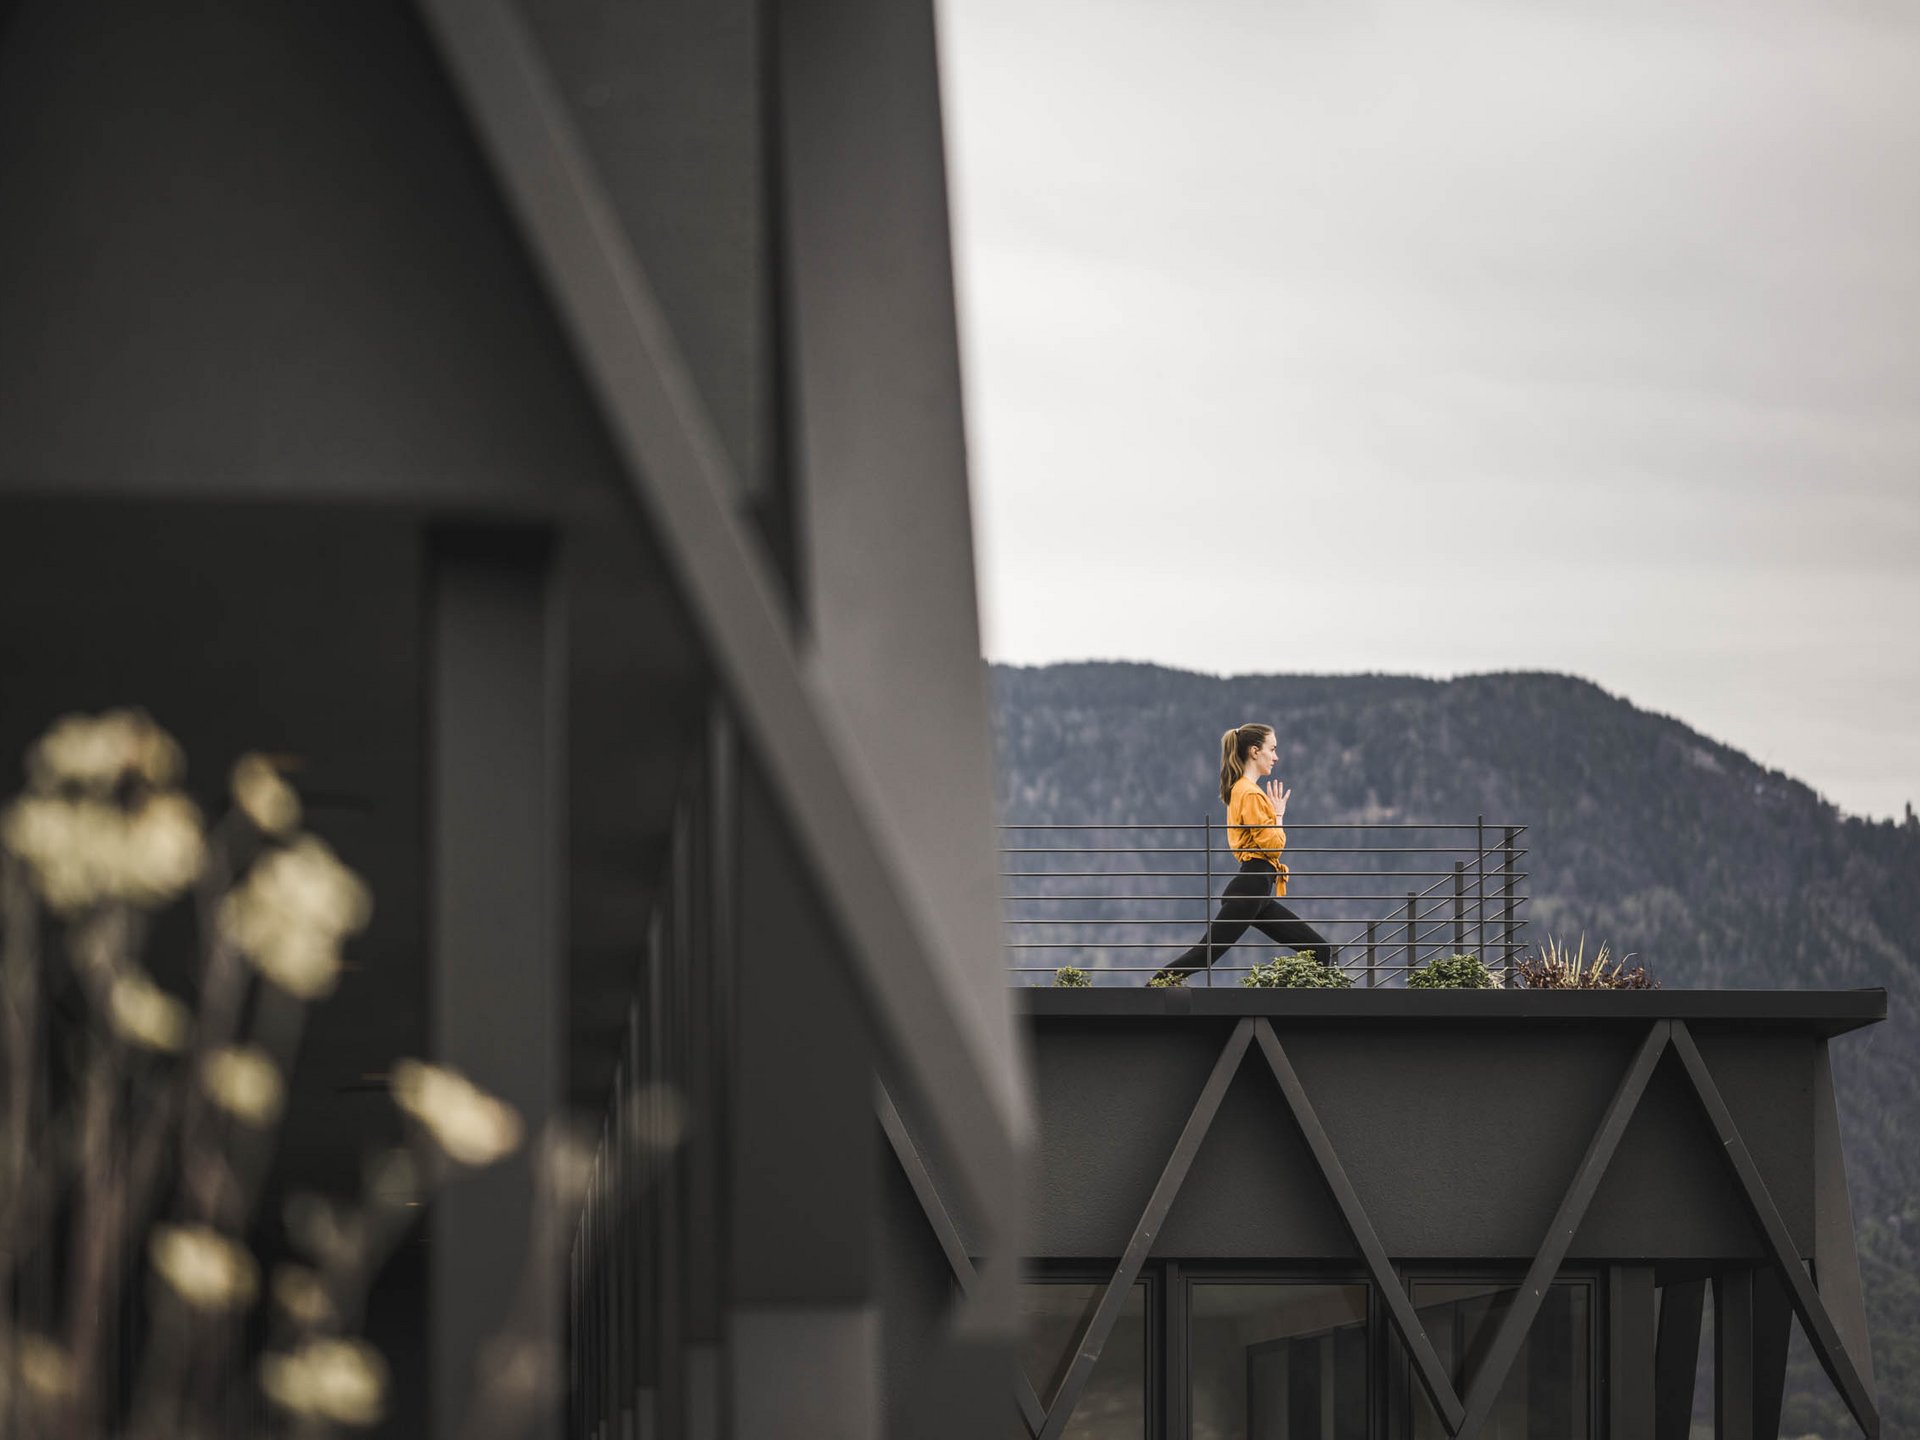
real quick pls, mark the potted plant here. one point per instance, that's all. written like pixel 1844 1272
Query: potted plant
pixel 1453 972
pixel 1300 971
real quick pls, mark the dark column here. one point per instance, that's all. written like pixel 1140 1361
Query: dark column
pixel 1733 1355
pixel 1676 1358
pixel 494 833
pixel 804 1342
pixel 1632 1330
pixel 710 1037
pixel 1772 1329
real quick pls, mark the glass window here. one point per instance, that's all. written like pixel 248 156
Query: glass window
pixel 1114 1404
pixel 1277 1361
pixel 1548 1394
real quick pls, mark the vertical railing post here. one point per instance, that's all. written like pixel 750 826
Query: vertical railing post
pixel 1459 906
pixel 1412 958
pixel 1373 975
pixel 1206 898
pixel 1480 887
pixel 1510 874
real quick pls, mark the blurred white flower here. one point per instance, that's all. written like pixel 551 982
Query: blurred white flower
pixel 97 752
pixel 471 1126
pixel 244 1081
pixel 82 852
pixel 340 1381
pixel 205 1268
pixel 46 1372
pixel 304 1296
pixel 143 1014
pixel 307 886
pixel 334 1237
pixel 157 758
pixel 164 851
pixel 263 797
pixel 291 914
pixel 520 1370
pixel 68 846
pixel 567 1162
pixel 305 964
pixel 93 751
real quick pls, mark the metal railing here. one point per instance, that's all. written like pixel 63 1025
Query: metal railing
pixel 1122 901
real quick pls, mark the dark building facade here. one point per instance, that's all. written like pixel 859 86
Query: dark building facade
pixel 541 424
pixel 1402 1213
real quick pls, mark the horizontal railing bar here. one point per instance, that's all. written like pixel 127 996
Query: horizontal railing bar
pixel 1220 973
pixel 1467 853
pixel 1480 889
pixel 1490 825
pixel 1350 947
pixel 1293 894
pixel 1189 874
pixel 1429 923
pixel 1131 980
pixel 1322 921
pixel 1399 945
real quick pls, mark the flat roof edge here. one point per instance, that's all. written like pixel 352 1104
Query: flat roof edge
pixel 1827 1012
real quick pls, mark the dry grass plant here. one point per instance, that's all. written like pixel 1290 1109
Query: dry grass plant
pixel 1558 967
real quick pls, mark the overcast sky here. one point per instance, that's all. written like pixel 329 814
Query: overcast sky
pixel 1447 336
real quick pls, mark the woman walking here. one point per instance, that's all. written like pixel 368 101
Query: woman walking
pixel 1248 754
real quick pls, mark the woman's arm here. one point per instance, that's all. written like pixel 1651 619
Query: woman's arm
pixel 1257 819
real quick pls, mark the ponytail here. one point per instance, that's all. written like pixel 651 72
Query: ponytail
pixel 1234 745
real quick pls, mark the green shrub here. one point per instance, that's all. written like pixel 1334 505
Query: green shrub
pixel 1453 972
pixel 1071 977
pixel 1168 980
pixel 1296 972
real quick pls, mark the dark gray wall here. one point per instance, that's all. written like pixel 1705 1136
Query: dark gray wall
pixel 1459 1140
pixel 252 250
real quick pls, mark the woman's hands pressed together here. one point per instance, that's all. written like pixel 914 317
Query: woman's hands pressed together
pixel 1278 794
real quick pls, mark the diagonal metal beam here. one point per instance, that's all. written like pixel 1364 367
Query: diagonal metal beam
pixel 1519 1318
pixel 1807 1303
pixel 1836 1253
pixel 975 1102
pixel 914 1166
pixel 1400 1309
pixel 1100 1327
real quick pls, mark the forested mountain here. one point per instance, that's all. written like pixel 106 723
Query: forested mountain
pixel 1712 869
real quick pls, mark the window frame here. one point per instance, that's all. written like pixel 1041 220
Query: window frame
pixel 1099 1273
pixel 1168 1313
pixel 1183 1274
pixel 1397 1395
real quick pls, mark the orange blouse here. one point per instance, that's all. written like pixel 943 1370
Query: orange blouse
pixel 1253 830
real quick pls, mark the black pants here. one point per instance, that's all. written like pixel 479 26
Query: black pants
pixel 1249 904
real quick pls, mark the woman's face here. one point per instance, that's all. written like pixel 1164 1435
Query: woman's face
pixel 1260 762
